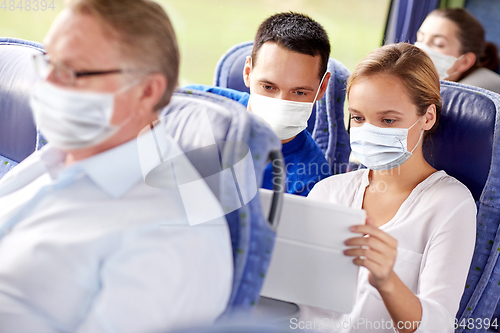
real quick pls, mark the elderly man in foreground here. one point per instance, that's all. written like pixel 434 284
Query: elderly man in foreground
pixel 85 244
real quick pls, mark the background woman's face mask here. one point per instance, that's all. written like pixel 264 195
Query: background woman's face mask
pixel 442 62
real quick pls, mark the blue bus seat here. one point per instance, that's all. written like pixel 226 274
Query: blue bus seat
pixel 326 123
pixel 465 134
pixel 235 133
pixel 467 146
pixel 229 69
pixel 18 136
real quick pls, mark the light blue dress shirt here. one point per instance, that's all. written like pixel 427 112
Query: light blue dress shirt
pixel 91 248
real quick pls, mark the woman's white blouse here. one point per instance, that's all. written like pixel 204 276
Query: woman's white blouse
pixel 436 230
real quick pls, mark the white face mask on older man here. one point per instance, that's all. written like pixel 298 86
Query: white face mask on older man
pixel 71 119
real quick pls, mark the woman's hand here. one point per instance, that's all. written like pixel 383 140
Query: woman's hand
pixel 377 252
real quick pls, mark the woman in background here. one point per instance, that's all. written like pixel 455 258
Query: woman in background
pixel 454 40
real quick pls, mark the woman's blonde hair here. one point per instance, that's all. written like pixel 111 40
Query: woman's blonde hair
pixel 144 34
pixel 412 67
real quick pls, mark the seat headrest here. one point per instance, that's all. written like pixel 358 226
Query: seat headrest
pixel 230 67
pixel 463 142
pixel 17 78
pixel 215 134
pixel 198 120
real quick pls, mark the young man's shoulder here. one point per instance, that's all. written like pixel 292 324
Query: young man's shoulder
pixel 236 95
pixel 312 147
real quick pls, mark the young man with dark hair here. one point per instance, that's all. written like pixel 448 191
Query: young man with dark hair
pixel 287 74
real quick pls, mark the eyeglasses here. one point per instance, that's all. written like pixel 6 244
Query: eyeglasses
pixel 63 74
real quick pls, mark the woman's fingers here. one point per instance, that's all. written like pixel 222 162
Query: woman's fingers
pixel 372 266
pixel 376 251
pixel 371 255
pixel 375 232
pixel 371 242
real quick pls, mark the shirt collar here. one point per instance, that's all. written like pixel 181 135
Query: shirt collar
pixel 116 170
pixel 53 160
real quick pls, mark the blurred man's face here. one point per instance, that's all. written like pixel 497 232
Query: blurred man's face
pixel 79 42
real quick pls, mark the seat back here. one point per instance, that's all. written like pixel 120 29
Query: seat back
pixel 230 147
pixel 464 135
pixel 229 69
pixel 326 123
pixel 467 146
pixel 17 129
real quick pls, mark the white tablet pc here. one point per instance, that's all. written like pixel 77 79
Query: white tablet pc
pixel 308 266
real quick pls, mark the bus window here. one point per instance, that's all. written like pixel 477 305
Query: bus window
pixel 207 29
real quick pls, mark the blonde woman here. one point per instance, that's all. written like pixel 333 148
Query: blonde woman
pixel 415 249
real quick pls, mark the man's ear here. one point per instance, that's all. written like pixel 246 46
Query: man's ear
pixel 246 71
pixel 154 87
pixel 324 85
pixel 466 62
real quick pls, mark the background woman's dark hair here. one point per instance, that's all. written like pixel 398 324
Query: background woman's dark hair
pixel 471 37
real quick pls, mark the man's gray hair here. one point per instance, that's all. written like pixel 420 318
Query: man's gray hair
pixel 144 33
